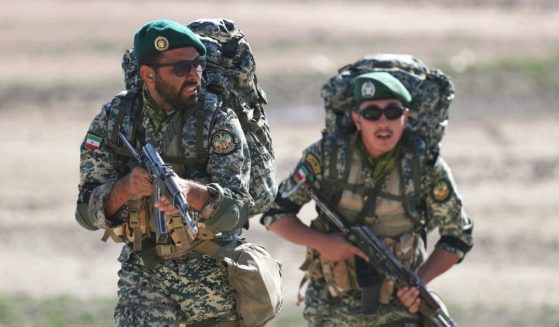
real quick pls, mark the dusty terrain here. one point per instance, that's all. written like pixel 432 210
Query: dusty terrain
pixel 64 62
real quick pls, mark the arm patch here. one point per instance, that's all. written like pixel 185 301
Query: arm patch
pixel 223 142
pixel 441 190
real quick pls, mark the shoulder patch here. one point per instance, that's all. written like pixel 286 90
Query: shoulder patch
pixel 92 141
pixel 441 190
pixel 223 142
pixel 313 163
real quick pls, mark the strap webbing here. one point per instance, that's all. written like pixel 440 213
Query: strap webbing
pixel 122 111
pixel 138 130
pixel 368 208
pixel 175 128
pixel 333 160
pixel 200 115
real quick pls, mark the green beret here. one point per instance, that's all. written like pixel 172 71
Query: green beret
pixel 380 85
pixel 162 35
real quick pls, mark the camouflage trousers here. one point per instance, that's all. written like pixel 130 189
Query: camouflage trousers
pixel 323 310
pixel 186 290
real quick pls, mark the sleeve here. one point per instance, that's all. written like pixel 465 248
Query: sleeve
pixel 445 211
pixel 291 197
pixel 97 176
pixel 229 170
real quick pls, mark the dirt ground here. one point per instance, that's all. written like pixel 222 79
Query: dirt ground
pixel 66 64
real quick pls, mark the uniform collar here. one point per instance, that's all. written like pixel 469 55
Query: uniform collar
pixel 384 164
pixel 157 116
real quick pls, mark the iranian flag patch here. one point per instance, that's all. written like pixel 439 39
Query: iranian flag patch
pixel 92 142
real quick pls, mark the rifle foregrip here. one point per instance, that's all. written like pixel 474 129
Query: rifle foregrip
pixel 434 310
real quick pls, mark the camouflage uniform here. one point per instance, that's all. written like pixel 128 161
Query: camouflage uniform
pixel 439 205
pixel 190 288
pixel 232 75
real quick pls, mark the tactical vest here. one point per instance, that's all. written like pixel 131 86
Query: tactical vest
pixel 130 103
pixel 187 160
pixel 343 183
pixel 392 208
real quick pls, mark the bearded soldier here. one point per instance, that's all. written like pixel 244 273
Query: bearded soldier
pixel 378 177
pixel 171 283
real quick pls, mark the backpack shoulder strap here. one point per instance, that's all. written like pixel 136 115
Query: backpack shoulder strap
pixel 333 185
pixel 207 105
pixel 124 103
pixel 199 116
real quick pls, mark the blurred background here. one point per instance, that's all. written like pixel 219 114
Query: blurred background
pixel 60 61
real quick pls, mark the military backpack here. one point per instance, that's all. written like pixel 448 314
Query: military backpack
pixel 431 90
pixel 231 74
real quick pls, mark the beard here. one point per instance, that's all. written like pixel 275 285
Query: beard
pixel 175 97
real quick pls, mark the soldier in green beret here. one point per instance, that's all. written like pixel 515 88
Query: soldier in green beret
pixel 176 282
pixel 372 178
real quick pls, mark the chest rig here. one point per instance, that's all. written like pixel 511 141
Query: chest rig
pixel 391 207
pixel 188 159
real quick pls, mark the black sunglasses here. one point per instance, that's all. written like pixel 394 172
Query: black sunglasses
pixel 183 67
pixel 392 111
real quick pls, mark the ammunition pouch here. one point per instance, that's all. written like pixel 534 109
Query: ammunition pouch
pixel 338 275
pixel 343 276
pixel 408 248
pixel 135 230
pixel 139 227
pixel 184 243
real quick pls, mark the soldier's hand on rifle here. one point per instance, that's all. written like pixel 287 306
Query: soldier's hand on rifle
pixel 409 296
pixel 335 247
pixel 138 183
pixel 165 205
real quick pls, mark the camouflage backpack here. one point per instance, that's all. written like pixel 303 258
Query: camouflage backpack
pixel 230 73
pixel 431 90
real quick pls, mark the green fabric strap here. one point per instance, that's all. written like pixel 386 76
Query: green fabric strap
pixel 384 164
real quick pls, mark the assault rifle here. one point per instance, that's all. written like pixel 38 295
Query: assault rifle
pixel 164 181
pixel 380 257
